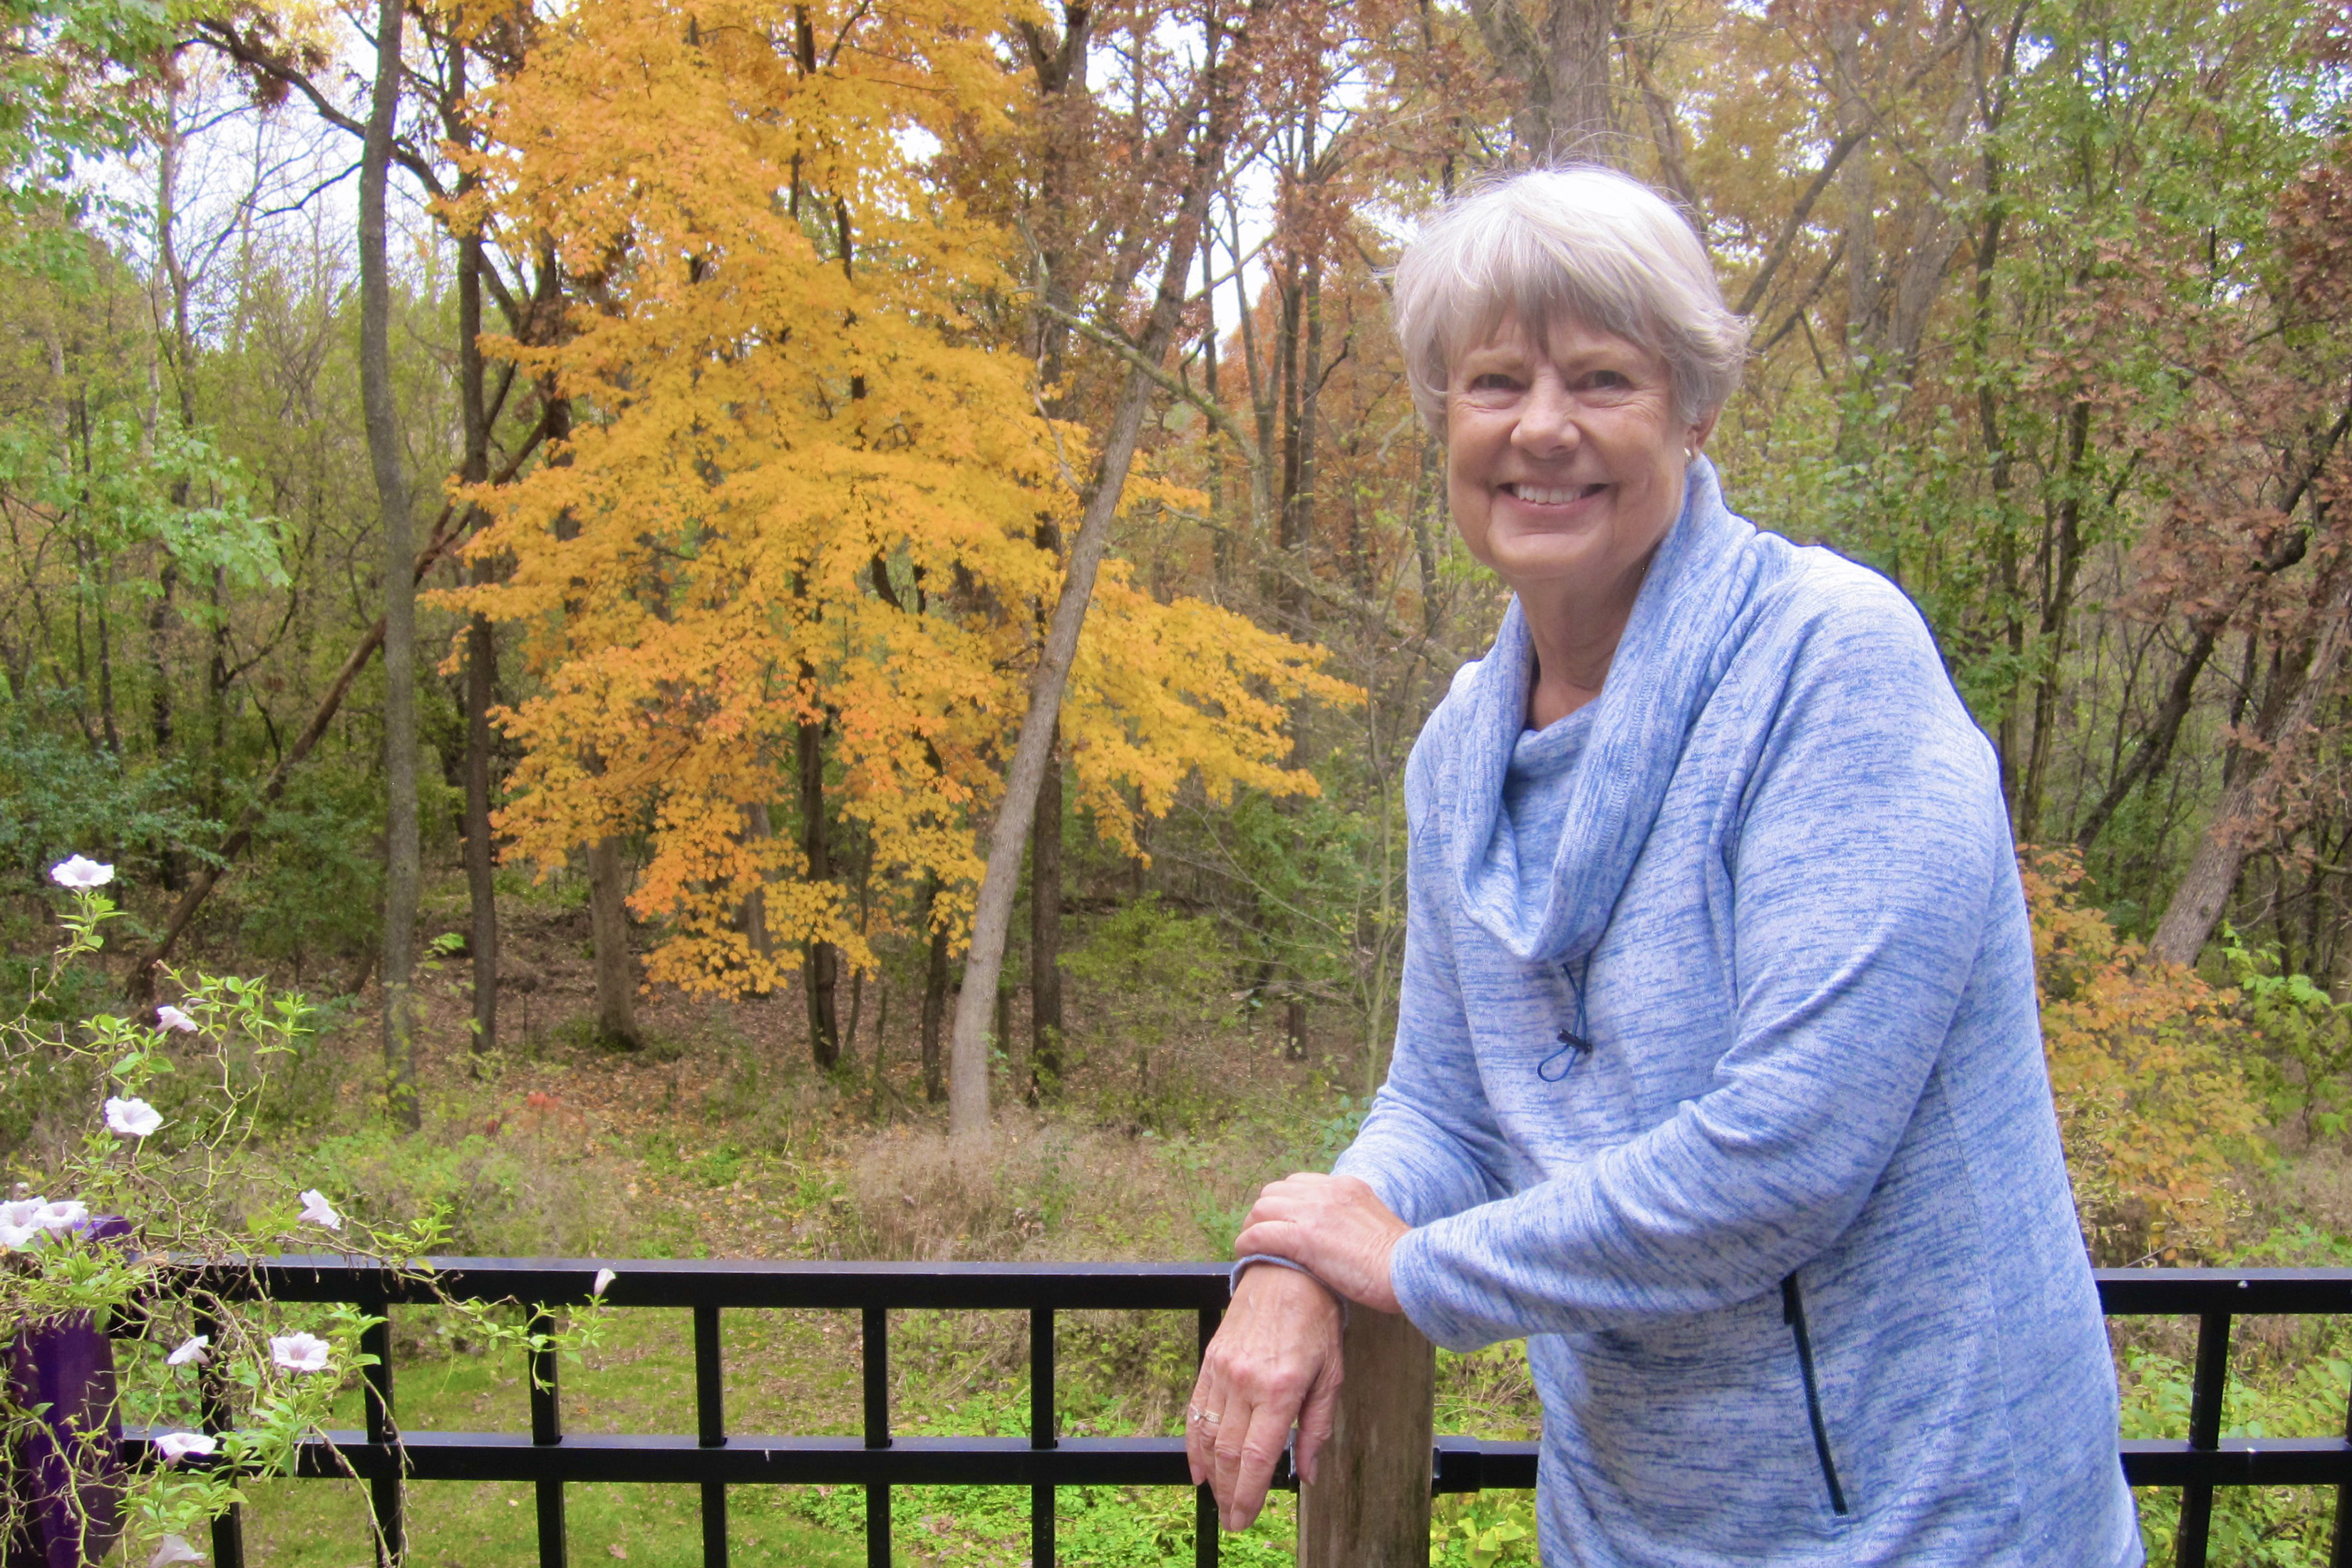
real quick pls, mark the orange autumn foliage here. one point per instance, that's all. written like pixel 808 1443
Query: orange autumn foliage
pixel 809 498
pixel 2153 1102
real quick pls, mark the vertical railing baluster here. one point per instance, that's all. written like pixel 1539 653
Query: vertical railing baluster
pixel 547 1432
pixel 1045 1432
pixel 2205 1393
pixel 1204 1502
pixel 877 1350
pixel 2339 1552
pixel 211 1392
pixel 710 1421
pixel 383 1434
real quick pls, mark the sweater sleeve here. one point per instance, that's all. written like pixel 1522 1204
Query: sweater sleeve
pixel 1430 1146
pixel 1866 853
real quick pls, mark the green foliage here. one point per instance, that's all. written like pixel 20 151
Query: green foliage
pixel 130 484
pixel 74 84
pixel 58 795
pixel 1483 1530
pixel 2256 1526
pixel 2302 1040
pixel 1157 976
pixel 311 892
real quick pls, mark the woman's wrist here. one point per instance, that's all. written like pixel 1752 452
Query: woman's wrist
pixel 1243 1263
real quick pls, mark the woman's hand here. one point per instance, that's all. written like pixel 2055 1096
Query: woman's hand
pixel 1336 1227
pixel 1274 1363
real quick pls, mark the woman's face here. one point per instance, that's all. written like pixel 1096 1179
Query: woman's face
pixel 1564 459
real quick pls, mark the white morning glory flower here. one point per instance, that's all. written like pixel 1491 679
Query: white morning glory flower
pixel 81 873
pixel 63 1215
pixel 20 1211
pixel 168 1018
pixel 192 1352
pixel 298 1352
pixel 317 1210
pixel 173 1550
pixel 16 1237
pixel 131 1118
pixel 604 1277
pixel 177 1446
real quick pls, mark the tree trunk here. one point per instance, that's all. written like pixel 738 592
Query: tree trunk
pixel 753 917
pixel 1582 37
pixel 481 646
pixel 608 921
pixel 2197 904
pixel 481 844
pixel 935 1003
pixel 821 962
pixel 2057 611
pixel 401 847
pixel 1061 70
pixel 1565 111
pixel 1857 184
pixel 1045 937
pixel 993 915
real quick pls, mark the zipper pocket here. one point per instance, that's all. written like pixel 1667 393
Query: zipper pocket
pixel 1793 1309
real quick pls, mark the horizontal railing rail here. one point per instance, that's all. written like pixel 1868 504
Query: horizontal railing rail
pixel 386 1456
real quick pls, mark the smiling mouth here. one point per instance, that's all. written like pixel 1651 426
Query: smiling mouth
pixel 1551 495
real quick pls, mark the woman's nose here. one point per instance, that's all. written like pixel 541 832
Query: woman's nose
pixel 1547 423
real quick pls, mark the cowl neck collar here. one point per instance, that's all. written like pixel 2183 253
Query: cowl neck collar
pixel 1665 668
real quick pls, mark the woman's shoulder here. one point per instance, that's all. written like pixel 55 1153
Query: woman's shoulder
pixel 1824 618
pixel 1840 656
pixel 1816 592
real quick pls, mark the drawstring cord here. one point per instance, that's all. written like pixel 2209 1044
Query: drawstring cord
pixel 1574 1044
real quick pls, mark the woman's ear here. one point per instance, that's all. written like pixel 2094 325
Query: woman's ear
pixel 1695 442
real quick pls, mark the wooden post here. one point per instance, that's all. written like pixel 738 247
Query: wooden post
pixel 1369 1507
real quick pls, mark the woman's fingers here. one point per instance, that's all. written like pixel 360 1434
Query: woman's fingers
pixel 1200 1432
pixel 1246 1460
pixel 1278 1343
pixel 1317 1417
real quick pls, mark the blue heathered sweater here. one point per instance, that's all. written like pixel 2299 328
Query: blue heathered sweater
pixel 1790 1240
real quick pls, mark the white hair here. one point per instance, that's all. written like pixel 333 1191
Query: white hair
pixel 1581 244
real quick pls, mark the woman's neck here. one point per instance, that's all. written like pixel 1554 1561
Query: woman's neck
pixel 1574 630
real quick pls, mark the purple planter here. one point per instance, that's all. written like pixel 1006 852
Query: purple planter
pixel 68 1486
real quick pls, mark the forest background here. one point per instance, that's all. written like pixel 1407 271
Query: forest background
pixel 561 533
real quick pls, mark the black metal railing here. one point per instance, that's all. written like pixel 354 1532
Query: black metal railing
pixel 715 1459
pixel 2198 1463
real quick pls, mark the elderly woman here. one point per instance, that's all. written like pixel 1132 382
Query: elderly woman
pixel 1717 1075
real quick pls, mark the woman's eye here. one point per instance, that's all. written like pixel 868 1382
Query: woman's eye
pixel 1493 381
pixel 1608 381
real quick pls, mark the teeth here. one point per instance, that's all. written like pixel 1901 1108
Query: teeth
pixel 1542 497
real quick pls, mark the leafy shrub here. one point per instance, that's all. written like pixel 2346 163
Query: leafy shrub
pixel 311 892
pixel 1484 1530
pixel 2252 1527
pixel 2301 1040
pixel 58 795
pixel 1156 979
pixel 2153 1104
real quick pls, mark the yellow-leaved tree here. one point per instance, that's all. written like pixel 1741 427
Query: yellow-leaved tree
pixel 778 578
